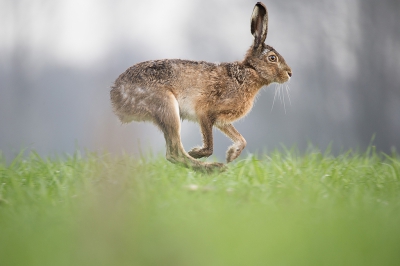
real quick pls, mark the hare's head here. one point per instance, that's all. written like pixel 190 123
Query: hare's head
pixel 269 64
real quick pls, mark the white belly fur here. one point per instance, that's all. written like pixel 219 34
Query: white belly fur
pixel 186 107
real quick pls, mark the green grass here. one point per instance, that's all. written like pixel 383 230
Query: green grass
pixel 280 209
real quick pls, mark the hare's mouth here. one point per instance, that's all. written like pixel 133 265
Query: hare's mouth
pixel 284 77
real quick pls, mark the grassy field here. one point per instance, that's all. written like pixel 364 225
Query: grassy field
pixel 279 209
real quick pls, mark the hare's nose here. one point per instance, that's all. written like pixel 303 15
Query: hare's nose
pixel 290 74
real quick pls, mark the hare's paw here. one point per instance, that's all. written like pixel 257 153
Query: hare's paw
pixel 208 168
pixel 233 152
pixel 200 152
pixel 214 168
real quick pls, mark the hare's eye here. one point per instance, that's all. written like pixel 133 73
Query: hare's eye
pixel 272 58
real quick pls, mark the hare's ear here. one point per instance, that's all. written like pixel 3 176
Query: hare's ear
pixel 259 24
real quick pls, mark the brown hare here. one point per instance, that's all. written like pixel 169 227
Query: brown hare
pixel 166 91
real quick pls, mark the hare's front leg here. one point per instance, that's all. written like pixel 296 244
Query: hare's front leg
pixel 206 129
pixel 238 141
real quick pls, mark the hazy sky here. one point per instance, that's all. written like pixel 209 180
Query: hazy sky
pixel 82 33
pixel 59 58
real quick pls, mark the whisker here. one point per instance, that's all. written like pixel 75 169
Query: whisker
pixel 276 90
pixel 283 99
pixel 288 93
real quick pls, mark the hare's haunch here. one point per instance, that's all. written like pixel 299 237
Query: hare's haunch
pixel 166 91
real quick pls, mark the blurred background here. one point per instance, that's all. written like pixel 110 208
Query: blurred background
pixel 58 60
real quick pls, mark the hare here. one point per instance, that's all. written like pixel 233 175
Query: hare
pixel 166 91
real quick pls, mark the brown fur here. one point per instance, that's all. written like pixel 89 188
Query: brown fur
pixel 165 91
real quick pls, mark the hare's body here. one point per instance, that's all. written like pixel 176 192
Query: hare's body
pixel 225 91
pixel 166 91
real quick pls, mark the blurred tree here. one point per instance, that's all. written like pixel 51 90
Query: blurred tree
pixel 376 88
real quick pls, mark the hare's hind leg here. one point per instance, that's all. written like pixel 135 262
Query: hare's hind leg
pixel 168 120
